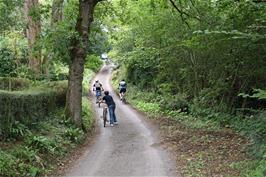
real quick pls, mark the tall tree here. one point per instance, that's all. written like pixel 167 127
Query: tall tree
pixel 78 55
pixel 33 31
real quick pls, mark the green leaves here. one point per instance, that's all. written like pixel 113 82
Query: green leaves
pixel 10 15
pixel 258 93
pixel 93 62
pixel 74 134
pixel 7 62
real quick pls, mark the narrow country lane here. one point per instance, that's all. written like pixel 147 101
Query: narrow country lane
pixel 127 149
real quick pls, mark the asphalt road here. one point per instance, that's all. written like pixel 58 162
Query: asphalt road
pixel 127 149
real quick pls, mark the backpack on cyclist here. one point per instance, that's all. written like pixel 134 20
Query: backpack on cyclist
pixel 123 84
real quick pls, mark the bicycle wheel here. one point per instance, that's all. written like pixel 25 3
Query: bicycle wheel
pixel 123 100
pixel 99 102
pixel 104 116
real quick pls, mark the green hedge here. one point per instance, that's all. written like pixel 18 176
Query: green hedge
pixel 60 89
pixel 12 84
pixel 30 106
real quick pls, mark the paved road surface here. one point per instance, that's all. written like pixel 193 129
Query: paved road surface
pixel 127 149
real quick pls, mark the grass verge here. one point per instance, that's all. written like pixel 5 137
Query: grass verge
pixel 202 146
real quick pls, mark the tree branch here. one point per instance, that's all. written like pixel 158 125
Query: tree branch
pixel 183 12
pixel 193 4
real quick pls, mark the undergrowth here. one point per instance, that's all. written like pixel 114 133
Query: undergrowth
pixel 253 127
pixel 36 150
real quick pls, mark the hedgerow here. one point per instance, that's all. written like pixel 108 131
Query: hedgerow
pixel 12 83
pixel 29 106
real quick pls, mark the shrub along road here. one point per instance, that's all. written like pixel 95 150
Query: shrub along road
pixel 127 149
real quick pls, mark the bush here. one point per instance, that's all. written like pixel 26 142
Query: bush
pixel 87 114
pixel 7 162
pixel 152 109
pixel 93 62
pixel 58 72
pixel 44 144
pixel 13 84
pixel 11 164
pixel 211 98
pixel 41 150
pixel 175 102
pixel 7 62
pixel 59 77
pixel 254 127
pixel 25 153
pixel 59 87
pixel 24 106
pixel 30 164
pixel 18 130
pixel 74 134
pixel 88 75
pixel 25 72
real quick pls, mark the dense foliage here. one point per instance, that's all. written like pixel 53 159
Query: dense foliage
pixel 212 51
pixel 8 65
pixel 35 43
pixel 206 58
pixel 93 63
pixel 54 42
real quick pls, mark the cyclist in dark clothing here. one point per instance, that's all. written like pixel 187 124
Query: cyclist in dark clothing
pixel 122 88
pixel 111 105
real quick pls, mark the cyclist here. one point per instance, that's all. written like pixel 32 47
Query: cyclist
pixel 122 88
pixel 111 105
pixel 97 86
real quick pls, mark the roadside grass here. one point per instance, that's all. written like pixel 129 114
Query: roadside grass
pixel 88 75
pixel 41 147
pixel 146 102
pixel 87 114
pixel 203 146
pixel 195 166
pixel 32 155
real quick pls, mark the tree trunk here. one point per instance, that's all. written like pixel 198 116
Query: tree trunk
pixel 78 55
pixel 33 31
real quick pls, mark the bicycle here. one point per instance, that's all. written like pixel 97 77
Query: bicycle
pixel 123 99
pixel 105 110
pixel 98 97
